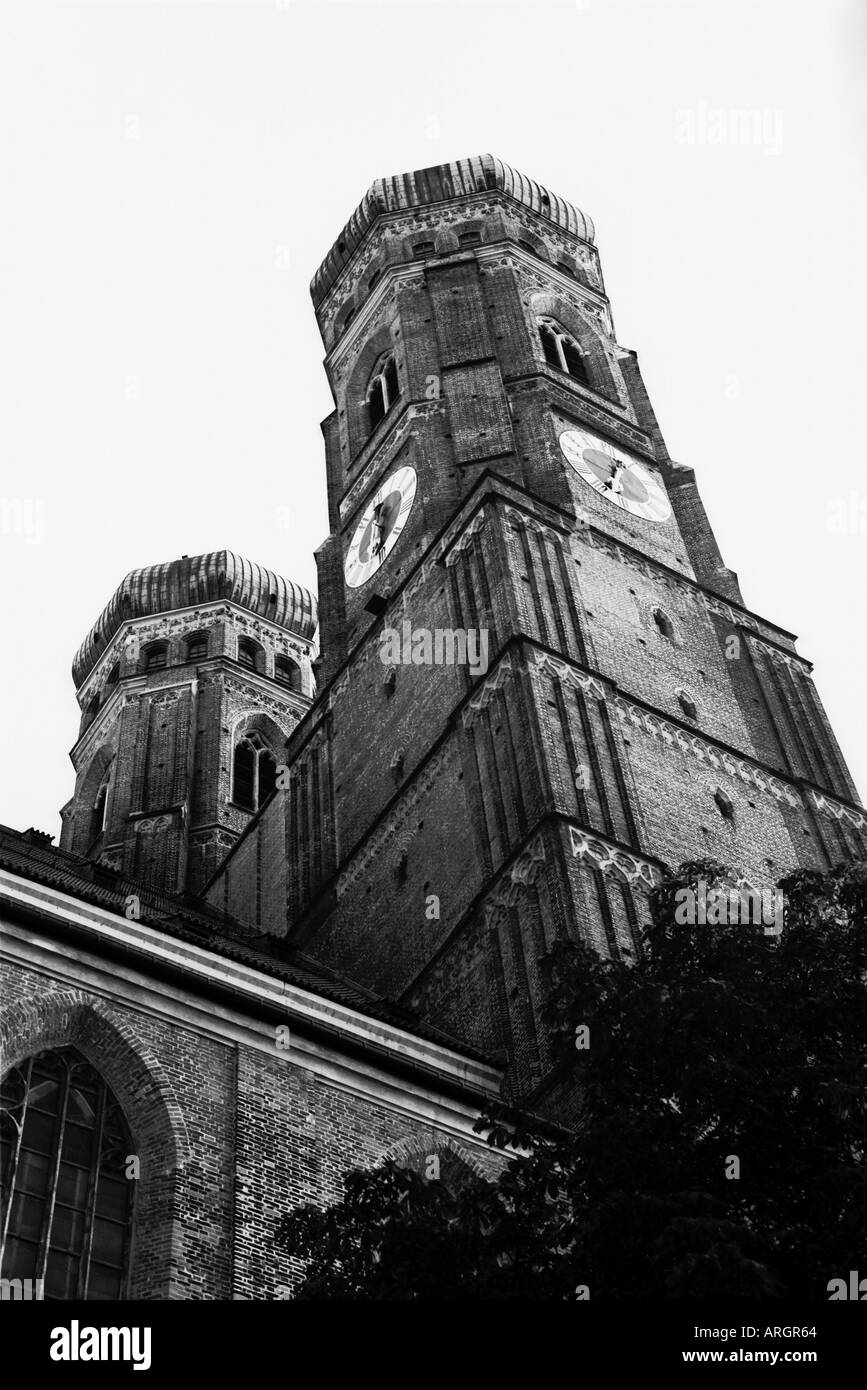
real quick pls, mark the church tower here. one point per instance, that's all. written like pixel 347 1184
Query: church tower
pixel 495 469
pixel 189 683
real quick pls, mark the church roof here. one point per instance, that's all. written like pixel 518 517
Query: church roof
pixel 443 183
pixel 192 580
pixel 30 855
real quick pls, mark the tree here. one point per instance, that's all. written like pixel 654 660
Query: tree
pixel 717 1141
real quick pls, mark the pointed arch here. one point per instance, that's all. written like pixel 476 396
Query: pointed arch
pixel 412 1152
pixel 97 778
pixel 687 703
pixel 664 625
pixel 377 347
pixel 258 722
pixel 258 745
pixel 67 1151
pixel 598 369
pixel 72 1019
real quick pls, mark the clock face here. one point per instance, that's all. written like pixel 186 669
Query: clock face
pixel 615 475
pixel 379 529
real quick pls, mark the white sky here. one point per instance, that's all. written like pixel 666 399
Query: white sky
pixel 173 174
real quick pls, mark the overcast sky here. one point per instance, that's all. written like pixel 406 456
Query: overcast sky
pixel 172 175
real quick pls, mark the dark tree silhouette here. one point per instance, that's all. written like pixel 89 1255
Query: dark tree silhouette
pixel 717 1139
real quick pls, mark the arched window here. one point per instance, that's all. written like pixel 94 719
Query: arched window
pixel 254 772
pixel 663 623
pixel 439 1164
pixel 67 1199
pixel 724 804
pixel 471 238
pixel 287 672
pixel 197 646
pixel 250 654
pixel 114 674
pixel 156 656
pixel 383 391
pixel 687 704
pixel 100 808
pixel 561 350
pixel 422 249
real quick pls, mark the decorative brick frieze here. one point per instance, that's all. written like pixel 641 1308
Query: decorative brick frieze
pixel 612 859
pixel 523 872
pixel 838 811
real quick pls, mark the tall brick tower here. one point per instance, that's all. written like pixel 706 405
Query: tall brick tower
pixel 189 683
pixel 493 463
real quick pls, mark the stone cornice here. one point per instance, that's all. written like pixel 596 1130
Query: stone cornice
pixel 349 344
pixel 611 858
pixel 528 864
pixel 152 953
pixel 178 621
pixel 705 749
pixel 830 806
pixel 545 275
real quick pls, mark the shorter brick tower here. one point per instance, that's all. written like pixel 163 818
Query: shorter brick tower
pixel 189 683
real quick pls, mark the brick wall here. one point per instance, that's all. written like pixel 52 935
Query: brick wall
pixel 230 1135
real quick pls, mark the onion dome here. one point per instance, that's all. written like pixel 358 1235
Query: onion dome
pixel 195 580
pixel 441 184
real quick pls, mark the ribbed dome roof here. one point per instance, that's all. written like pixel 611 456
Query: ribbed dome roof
pixel 443 183
pixel 193 580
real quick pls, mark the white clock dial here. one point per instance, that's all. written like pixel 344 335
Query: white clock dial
pixel 380 527
pixel 615 475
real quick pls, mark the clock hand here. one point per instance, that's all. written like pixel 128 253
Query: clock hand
pixel 614 484
pixel 379 524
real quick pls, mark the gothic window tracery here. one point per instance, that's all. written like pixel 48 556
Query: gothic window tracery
pixel 254 772
pixel 562 351
pixel 382 391
pixel 67 1199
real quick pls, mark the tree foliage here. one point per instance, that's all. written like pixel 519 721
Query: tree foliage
pixel 720 1043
